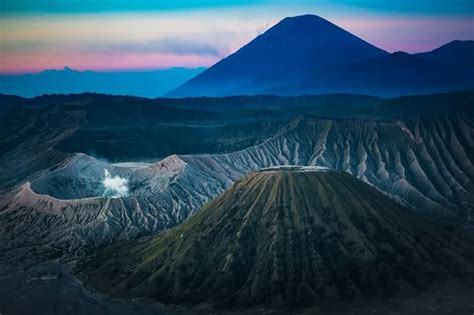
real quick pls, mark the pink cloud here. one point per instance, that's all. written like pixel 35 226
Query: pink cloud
pixel 150 41
pixel 34 63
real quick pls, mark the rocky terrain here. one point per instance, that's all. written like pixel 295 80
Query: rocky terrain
pixel 310 170
pixel 287 237
pixel 417 150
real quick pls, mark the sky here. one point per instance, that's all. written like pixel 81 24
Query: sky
pixel 116 35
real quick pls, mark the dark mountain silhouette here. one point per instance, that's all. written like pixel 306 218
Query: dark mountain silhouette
pixel 287 237
pixel 456 52
pixel 395 74
pixel 138 83
pixel 309 55
pixel 279 57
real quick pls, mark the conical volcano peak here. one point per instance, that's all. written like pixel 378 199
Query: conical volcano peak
pixel 286 238
pixel 287 52
pixel 305 23
pixel 304 20
pixel 308 54
pixel 305 17
pixel 294 168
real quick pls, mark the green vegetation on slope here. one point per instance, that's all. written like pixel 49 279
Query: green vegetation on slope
pixel 286 238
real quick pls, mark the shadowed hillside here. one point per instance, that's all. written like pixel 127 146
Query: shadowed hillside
pixel 287 237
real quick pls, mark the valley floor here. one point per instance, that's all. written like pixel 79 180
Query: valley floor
pixel 23 293
pixel 59 292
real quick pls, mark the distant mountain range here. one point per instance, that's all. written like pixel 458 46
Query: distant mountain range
pixel 302 55
pixel 309 55
pixel 140 83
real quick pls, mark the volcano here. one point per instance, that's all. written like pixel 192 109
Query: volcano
pixel 308 55
pixel 282 56
pixel 287 237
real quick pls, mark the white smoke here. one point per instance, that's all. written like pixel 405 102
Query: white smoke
pixel 115 187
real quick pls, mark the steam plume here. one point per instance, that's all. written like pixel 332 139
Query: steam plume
pixel 115 186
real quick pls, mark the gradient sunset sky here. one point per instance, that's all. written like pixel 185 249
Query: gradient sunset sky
pixel 114 35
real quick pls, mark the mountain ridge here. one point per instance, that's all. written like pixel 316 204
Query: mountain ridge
pixel 291 42
pixel 141 83
pixel 417 149
pixel 307 55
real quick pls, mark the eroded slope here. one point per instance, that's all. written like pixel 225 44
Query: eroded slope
pixel 287 238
